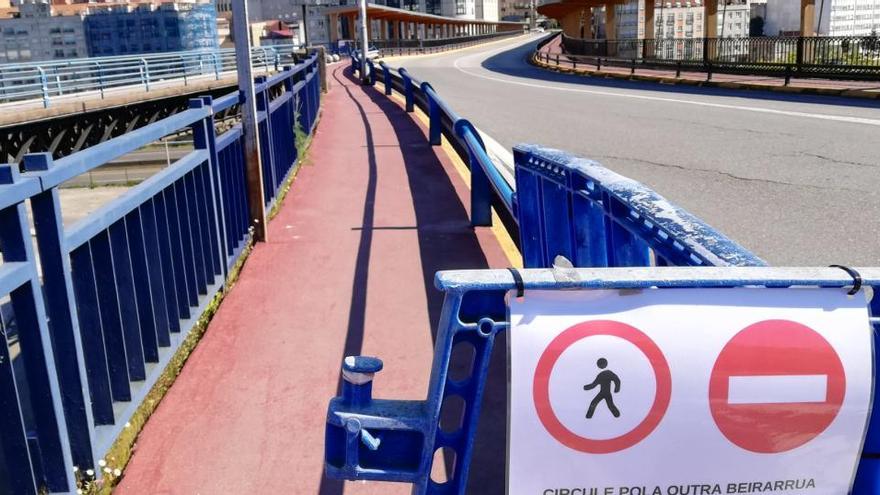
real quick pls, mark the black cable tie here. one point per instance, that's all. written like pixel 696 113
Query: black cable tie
pixel 857 278
pixel 518 280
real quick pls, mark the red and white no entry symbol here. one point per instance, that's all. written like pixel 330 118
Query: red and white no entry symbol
pixel 544 369
pixel 776 385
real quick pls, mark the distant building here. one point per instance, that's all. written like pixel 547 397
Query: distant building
pixel 515 10
pixel 147 28
pixel 682 19
pixel 37 35
pixel 837 18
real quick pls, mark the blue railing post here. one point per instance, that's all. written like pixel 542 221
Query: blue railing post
pixel 435 122
pixel 371 69
pixel 44 87
pixel 386 77
pixel 145 74
pixel 218 65
pixel 264 126
pixel 481 189
pixel 205 138
pixel 48 445
pixel 407 90
pixel 61 308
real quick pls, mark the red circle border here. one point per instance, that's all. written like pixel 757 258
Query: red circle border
pixel 541 386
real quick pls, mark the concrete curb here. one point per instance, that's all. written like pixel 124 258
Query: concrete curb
pixel 845 93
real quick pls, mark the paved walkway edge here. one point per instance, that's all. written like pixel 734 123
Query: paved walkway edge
pixel 846 93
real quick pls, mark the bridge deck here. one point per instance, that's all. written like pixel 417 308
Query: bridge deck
pixel 348 270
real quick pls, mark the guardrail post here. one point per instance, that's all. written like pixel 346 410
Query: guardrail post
pixel 48 443
pixel 436 125
pixel 183 66
pixel 145 74
pixel 481 189
pixel 61 309
pixel 371 70
pixel 204 138
pixel 269 160
pixel 386 78
pixel 217 65
pixel 407 90
pixel 44 87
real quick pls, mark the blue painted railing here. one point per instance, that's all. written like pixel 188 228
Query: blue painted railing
pixel 567 212
pixel 126 285
pixel 51 79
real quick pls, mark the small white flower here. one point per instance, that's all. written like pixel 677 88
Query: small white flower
pixel 75 469
pixel 90 472
pixel 127 424
pixel 102 463
pixel 79 491
pixel 107 470
pixel 117 472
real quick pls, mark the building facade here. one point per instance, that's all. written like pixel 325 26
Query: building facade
pixel 151 29
pixel 38 35
pixel 682 19
pixel 515 10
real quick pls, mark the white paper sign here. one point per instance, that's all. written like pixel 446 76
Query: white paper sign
pixel 687 391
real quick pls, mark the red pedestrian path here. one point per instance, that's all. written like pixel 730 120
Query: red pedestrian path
pixel 348 269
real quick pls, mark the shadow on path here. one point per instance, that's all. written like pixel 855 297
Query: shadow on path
pixel 446 241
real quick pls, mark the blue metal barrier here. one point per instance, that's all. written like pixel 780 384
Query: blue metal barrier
pixel 563 206
pixel 125 285
pixel 46 80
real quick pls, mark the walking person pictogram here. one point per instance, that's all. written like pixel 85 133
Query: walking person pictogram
pixel 604 380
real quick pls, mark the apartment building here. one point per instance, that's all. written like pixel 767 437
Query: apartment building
pixel 681 19
pixel 148 28
pixel 515 10
pixel 38 35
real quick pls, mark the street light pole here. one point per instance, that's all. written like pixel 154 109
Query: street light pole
pixel 253 166
pixel 365 43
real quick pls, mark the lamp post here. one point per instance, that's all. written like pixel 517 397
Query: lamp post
pixel 365 43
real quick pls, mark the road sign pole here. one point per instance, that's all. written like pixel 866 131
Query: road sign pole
pixel 365 43
pixel 250 132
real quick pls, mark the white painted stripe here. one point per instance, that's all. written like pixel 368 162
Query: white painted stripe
pixel 787 113
pixel 777 389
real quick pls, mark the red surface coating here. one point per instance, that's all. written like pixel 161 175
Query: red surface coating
pixel 348 269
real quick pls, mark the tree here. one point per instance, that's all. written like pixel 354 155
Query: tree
pixel 756 26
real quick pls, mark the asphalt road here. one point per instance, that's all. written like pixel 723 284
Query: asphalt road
pixel 796 179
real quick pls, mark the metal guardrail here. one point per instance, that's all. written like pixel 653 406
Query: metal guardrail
pixel 566 211
pixel 51 79
pixel 123 288
pixel 840 57
pixel 407 47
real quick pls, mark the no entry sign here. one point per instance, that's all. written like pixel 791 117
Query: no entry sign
pixel 704 390
pixel 776 385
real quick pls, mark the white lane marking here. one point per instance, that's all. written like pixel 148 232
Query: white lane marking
pixel 777 389
pixel 787 113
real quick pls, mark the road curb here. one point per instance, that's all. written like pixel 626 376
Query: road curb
pixel 844 93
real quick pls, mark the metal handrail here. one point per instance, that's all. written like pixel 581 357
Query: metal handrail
pixel 851 57
pixel 52 79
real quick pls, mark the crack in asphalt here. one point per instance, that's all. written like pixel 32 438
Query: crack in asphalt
pixel 731 175
pixel 842 162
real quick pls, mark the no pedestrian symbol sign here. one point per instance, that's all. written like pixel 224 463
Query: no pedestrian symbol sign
pixel 687 391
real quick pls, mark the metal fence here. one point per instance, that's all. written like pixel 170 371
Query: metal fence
pixel 565 211
pixel 122 289
pixel 402 46
pixel 56 78
pixel 851 57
